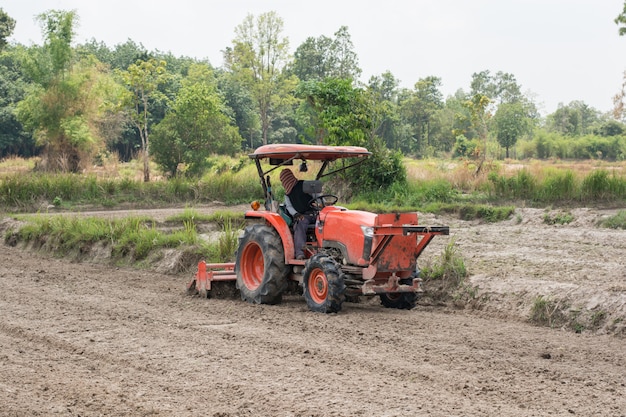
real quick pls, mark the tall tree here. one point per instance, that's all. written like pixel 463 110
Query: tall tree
pixel 341 113
pixel 511 121
pixel 324 57
pixel 14 140
pixel 142 80
pixel 500 88
pixel 65 105
pixel 7 25
pixel 241 107
pixel 477 106
pixel 382 91
pixel 259 56
pixel 573 119
pixel 195 127
pixel 419 106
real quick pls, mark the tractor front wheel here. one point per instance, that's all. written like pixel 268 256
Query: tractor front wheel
pixel 323 283
pixel 260 267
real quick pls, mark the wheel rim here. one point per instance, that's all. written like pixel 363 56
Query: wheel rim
pixel 253 266
pixel 318 286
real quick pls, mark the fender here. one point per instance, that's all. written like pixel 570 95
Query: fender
pixel 279 224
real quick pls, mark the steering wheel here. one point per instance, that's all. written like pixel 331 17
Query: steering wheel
pixel 322 201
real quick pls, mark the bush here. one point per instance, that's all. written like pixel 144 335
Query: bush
pixel 379 172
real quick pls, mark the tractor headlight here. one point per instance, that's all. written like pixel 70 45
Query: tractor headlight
pixel 368 231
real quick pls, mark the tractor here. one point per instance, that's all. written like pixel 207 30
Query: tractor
pixel 348 253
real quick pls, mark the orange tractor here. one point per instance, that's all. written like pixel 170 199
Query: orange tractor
pixel 348 253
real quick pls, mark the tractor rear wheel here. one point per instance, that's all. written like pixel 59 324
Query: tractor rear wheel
pixel 260 267
pixel 401 300
pixel 323 283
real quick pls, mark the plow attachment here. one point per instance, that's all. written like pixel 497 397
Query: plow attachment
pixel 214 281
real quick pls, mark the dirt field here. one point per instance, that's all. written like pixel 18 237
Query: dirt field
pixel 93 340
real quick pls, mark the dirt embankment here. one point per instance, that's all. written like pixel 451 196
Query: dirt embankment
pixel 93 339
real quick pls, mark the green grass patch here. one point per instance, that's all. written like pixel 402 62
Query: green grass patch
pixel 617 221
pixel 445 274
pixel 133 237
pixel 563 217
pixel 31 191
pixel 547 312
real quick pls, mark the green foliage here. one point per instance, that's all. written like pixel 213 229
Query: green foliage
pixel 449 268
pixel 617 221
pixel 340 113
pixel 259 57
pixel 7 25
pixel 599 185
pixel 324 57
pixel 465 148
pixel 195 127
pixel 554 145
pixel 378 172
pixel 14 140
pixel 559 187
pixel 521 186
pixel 228 241
pixel 142 80
pixel 511 121
pixel 418 108
pixel 29 192
pixel 547 312
pixel 558 218
pixel 134 238
pixel 488 213
pixel 67 103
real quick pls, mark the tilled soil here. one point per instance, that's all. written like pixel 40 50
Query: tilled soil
pixel 92 340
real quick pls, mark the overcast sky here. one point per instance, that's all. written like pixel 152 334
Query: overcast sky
pixel 558 50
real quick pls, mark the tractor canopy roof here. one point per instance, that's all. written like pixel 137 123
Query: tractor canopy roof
pixel 308 152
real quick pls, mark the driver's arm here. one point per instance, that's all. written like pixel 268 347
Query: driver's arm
pixel 292 211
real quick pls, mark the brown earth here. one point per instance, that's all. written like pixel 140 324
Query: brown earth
pixel 86 339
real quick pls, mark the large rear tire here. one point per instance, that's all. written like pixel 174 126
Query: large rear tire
pixel 402 300
pixel 323 284
pixel 260 267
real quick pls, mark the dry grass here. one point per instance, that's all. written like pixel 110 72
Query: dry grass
pixel 462 173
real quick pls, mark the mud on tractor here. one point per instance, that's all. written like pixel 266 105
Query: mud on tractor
pixel 348 253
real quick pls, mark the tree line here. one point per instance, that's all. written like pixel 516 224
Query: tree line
pixel 72 104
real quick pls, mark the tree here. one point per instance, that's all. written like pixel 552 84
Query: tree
pixel 418 107
pixel 142 80
pixel 383 93
pixel 574 119
pixel 479 117
pixel 339 111
pixel 500 88
pixel 511 122
pixel 195 127
pixel 67 99
pixel 259 56
pixel 240 107
pixel 14 140
pixel 620 20
pixel 7 25
pixel 324 57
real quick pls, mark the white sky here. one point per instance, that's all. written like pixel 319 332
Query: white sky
pixel 558 50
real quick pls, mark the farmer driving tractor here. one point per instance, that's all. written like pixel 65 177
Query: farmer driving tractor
pixel 297 203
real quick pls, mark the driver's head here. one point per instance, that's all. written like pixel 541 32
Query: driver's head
pixel 288 180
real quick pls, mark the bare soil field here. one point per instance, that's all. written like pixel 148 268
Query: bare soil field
pixel 86 339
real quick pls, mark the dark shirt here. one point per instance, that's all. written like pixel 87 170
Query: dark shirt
pixel 299 199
